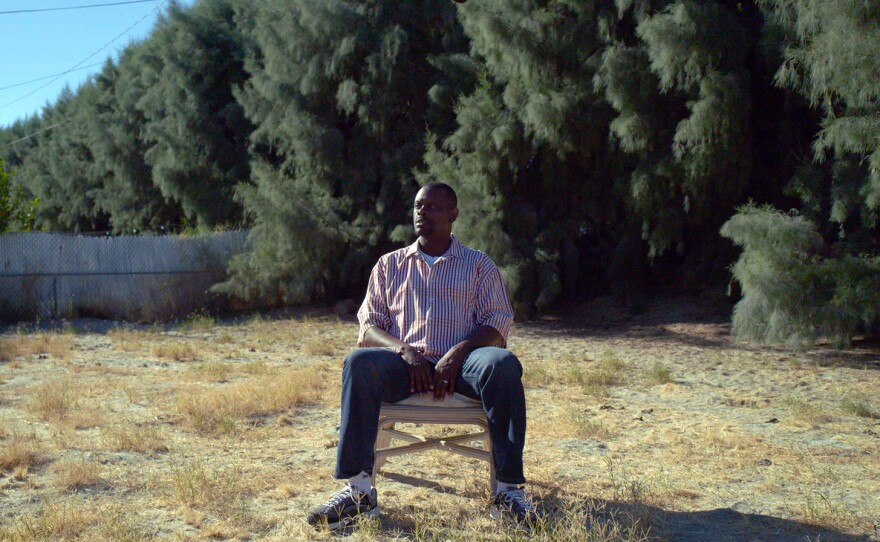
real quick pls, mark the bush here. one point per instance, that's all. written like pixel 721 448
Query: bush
pixel 792 294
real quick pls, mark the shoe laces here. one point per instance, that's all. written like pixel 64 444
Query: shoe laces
pixel 344 493
pixel 518 498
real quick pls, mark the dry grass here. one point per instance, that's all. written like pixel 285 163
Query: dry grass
pixel 241 444
pixel 19 453
pixel 65 520
pixel 57 345
pixel 212 371
pixel 215 500
pixel 199 321
pixel 177 351
pixel 803 411
pixel 130 437
pixel 660 374
pixel 53 400
pixel 860 407
pixel 77 474
pixel 224 410
pixel 596 379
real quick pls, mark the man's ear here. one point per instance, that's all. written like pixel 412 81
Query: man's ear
pixel 453 214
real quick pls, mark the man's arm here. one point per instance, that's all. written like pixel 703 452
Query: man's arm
pixel 449 366
pixel 419 367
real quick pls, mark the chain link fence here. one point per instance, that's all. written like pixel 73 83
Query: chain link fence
pixel 50 275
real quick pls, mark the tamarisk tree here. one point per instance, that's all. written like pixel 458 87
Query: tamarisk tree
pixel 338 95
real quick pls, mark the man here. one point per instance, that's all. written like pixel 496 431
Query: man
pixel 435 320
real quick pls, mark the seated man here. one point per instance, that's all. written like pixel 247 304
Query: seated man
pixel 435 320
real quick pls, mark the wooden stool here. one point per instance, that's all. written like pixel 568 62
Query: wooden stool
pixel 421 408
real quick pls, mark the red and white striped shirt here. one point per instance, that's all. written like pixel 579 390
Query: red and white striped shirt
pixel 433 308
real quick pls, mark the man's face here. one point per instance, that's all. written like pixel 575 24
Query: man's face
pixel 433 213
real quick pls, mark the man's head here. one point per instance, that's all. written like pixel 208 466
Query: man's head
pixel 434 210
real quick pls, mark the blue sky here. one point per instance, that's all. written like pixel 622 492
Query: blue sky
pixel 37 45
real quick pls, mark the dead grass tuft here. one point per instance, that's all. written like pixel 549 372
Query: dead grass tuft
pixel 320 347
pixel 177 351
pixel 77 474
pixel 660 374
pixel 597 379
pixel 212 371
pixel 127 339
pixel 199 321
pixel 803 410
pixel 130 437
pixel 19 453
pixel 217 491
pixel 69 520
pixel 53 400
pixel 221 410
pixel 57 345
pixel 859 407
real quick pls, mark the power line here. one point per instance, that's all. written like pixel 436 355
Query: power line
pixel 78 64
pixel 41 10
pixel 50 76
pixel 35 134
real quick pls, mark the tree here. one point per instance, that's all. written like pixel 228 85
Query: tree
pixel 16 211
pixel 829 55
pixel 338 92
pixel 195 131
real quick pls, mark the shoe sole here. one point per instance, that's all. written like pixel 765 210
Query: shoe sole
pixel 345 522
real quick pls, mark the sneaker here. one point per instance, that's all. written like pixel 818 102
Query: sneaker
pixel 343 507
pixel 514 504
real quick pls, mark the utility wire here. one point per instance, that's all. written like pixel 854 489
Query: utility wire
pixel 50 76
pixel 78 64
pixel 35 134
pixel 41 10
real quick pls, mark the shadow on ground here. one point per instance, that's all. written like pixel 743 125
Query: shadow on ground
pixel 719 525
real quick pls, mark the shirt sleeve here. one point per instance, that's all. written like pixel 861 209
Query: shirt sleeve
pixel 374 309
pixel 493 306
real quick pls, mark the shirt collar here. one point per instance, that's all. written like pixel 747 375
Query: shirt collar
pixel 454 250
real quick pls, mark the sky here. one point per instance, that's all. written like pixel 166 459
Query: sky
pixel 50 43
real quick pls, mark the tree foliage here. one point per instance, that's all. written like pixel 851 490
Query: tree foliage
pixel 338 91
pixel 597 146
pixel 16 211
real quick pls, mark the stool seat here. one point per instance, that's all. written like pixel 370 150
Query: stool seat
pixel 423 409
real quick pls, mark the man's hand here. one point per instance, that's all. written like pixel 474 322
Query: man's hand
pixel 419 370
pixel 447 370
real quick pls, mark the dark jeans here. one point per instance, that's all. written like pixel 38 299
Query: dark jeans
pixel 372 376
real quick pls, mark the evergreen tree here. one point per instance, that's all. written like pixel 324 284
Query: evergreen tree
pixel 60 170
pixel 829 54
pixel 339 95
pixel 195 130
pixel 127 193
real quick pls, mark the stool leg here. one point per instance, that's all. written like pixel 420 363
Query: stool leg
pixel 383 439
pixel 487 445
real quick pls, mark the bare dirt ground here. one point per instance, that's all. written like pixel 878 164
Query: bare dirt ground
pixel 653 427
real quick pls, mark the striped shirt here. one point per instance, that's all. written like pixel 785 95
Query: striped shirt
pixel 433 308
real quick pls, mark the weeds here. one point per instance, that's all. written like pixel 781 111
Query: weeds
pixel 803 411
pixel 181 351
pixel 53 521
pixel 199 321
pixel 222 410
pixel 77 474
pixel 660 374
pixel 859 407
pixel 597 379
pixel 216 490
pixel 53 400
pixel 19 454
pixel 129 437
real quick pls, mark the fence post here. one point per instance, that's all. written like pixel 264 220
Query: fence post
pixel 55 297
